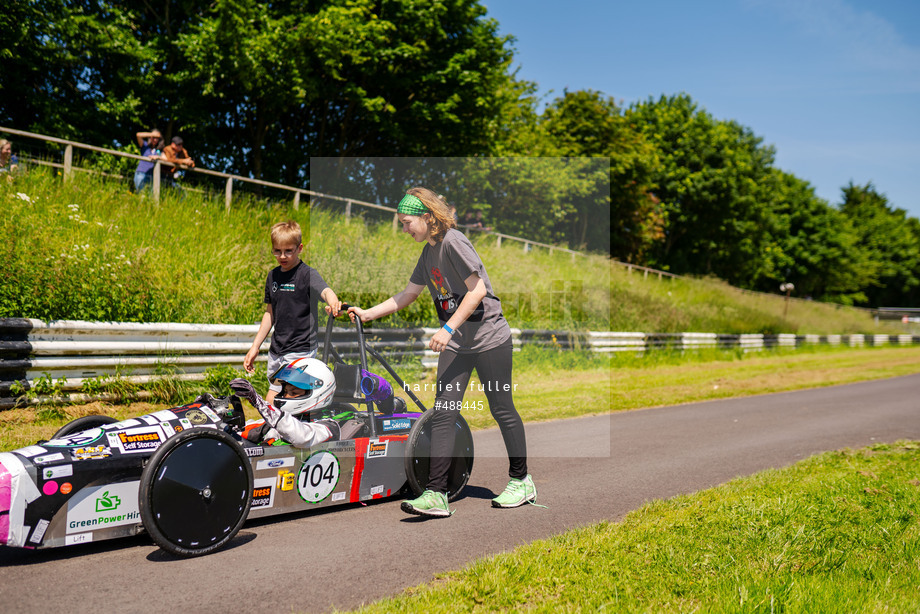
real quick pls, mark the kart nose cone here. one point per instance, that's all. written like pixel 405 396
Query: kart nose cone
pixel 6 492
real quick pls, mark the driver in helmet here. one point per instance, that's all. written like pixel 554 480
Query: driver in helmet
pixel 306 384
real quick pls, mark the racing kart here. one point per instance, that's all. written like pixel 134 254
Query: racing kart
pixel 188 478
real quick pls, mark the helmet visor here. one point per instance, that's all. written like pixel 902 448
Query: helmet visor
pixel 296 376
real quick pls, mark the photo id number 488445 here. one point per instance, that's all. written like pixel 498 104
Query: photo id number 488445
pixel 460 405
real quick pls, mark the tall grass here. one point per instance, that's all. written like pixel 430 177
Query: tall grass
pixel 90 249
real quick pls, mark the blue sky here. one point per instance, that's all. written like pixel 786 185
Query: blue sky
pixel 833 85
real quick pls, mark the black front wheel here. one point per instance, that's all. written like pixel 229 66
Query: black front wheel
pixel 418 456
pixel 195 492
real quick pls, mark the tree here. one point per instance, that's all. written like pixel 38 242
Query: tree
pixel 891 243
pixel 585 123
pixel 74 70
pixel 710 186
pixel 812 245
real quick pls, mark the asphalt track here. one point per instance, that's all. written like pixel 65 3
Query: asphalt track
pixel 586 469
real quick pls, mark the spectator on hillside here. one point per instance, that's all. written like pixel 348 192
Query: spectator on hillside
pixel 473 221
pixel 176 153
pixel 9 163
pixel 478 223
pixel 151 144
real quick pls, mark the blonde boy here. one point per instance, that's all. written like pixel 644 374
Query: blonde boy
pixel 292 294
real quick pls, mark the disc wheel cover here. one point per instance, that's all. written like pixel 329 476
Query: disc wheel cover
pixel 196 492
pixel 418 456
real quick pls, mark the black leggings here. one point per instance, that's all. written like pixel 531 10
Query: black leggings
pixel 494 370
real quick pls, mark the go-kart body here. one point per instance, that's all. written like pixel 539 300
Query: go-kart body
pixel 187 476
pixel 84 487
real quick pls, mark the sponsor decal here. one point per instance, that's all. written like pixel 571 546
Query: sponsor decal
pixel 80 439
pixel 286 480
pixel 377 449
pixel 263 493
pixel 338 496
pixel 31 451
pixel 61 471
pixel 48 458
pixel 168 430
pixel 107 502
pixel 209 413
pixel 164 415
pixel 396 424
pixel 49 488
pixel 66 488
pixel 100 451
pixel 318 477
pixel 40 527
pixel 275 463
pixel 133 441
pixel 376 490
pixel 104 506
pixel 124 424
pixel 79 538
pixel 257 451
pixel 196 416
pixel 150 419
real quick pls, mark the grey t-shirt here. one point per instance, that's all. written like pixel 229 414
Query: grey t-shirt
pixel 443 267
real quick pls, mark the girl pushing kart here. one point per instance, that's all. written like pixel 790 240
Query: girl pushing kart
pixel 474 334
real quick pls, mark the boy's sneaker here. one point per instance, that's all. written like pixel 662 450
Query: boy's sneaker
pixel 430 503
pixel 517 493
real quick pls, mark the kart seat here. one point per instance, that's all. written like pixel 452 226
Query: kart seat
pixel 347 382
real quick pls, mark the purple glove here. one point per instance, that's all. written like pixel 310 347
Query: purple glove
pixel 243 389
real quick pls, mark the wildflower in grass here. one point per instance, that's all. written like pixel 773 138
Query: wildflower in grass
pixel 24 197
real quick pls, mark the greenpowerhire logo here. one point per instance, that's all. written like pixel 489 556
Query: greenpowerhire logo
pixel 107 503
pixel 100 507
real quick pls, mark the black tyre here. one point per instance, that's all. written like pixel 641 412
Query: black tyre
pixel 418 456
pixel 195 492
pixel 83 424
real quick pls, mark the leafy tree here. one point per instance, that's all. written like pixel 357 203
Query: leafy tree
pixel 347 78
pixel 258 88
pixel 585 123
pixel 73 70
pixel 710 186
pixel 811 244
pixel 891 243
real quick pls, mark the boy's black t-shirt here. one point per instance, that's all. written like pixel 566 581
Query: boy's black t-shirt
pixel 294 296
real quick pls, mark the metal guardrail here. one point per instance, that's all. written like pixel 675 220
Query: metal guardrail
pixel 73 352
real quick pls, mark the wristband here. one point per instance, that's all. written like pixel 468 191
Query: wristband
pixel 448 329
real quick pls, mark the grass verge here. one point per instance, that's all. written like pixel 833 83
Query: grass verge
pixel 552 385
pixel 838 532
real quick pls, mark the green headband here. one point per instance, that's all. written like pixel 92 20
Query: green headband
pixel 411 205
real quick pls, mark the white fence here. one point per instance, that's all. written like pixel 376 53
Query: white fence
pixel 72 352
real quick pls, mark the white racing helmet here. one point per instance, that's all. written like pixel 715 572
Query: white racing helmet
pixel 313 385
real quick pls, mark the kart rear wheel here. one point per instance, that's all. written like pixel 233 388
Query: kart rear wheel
pixel 83 424
pixel 195 492
pixel 418 456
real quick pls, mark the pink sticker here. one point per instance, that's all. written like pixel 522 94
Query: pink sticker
pixel 50 488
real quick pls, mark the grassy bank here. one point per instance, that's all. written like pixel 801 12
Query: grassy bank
pixel 835 533
pixel 107 254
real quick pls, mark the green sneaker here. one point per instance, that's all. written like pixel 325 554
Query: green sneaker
pixel 430 503
pixel 517 493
